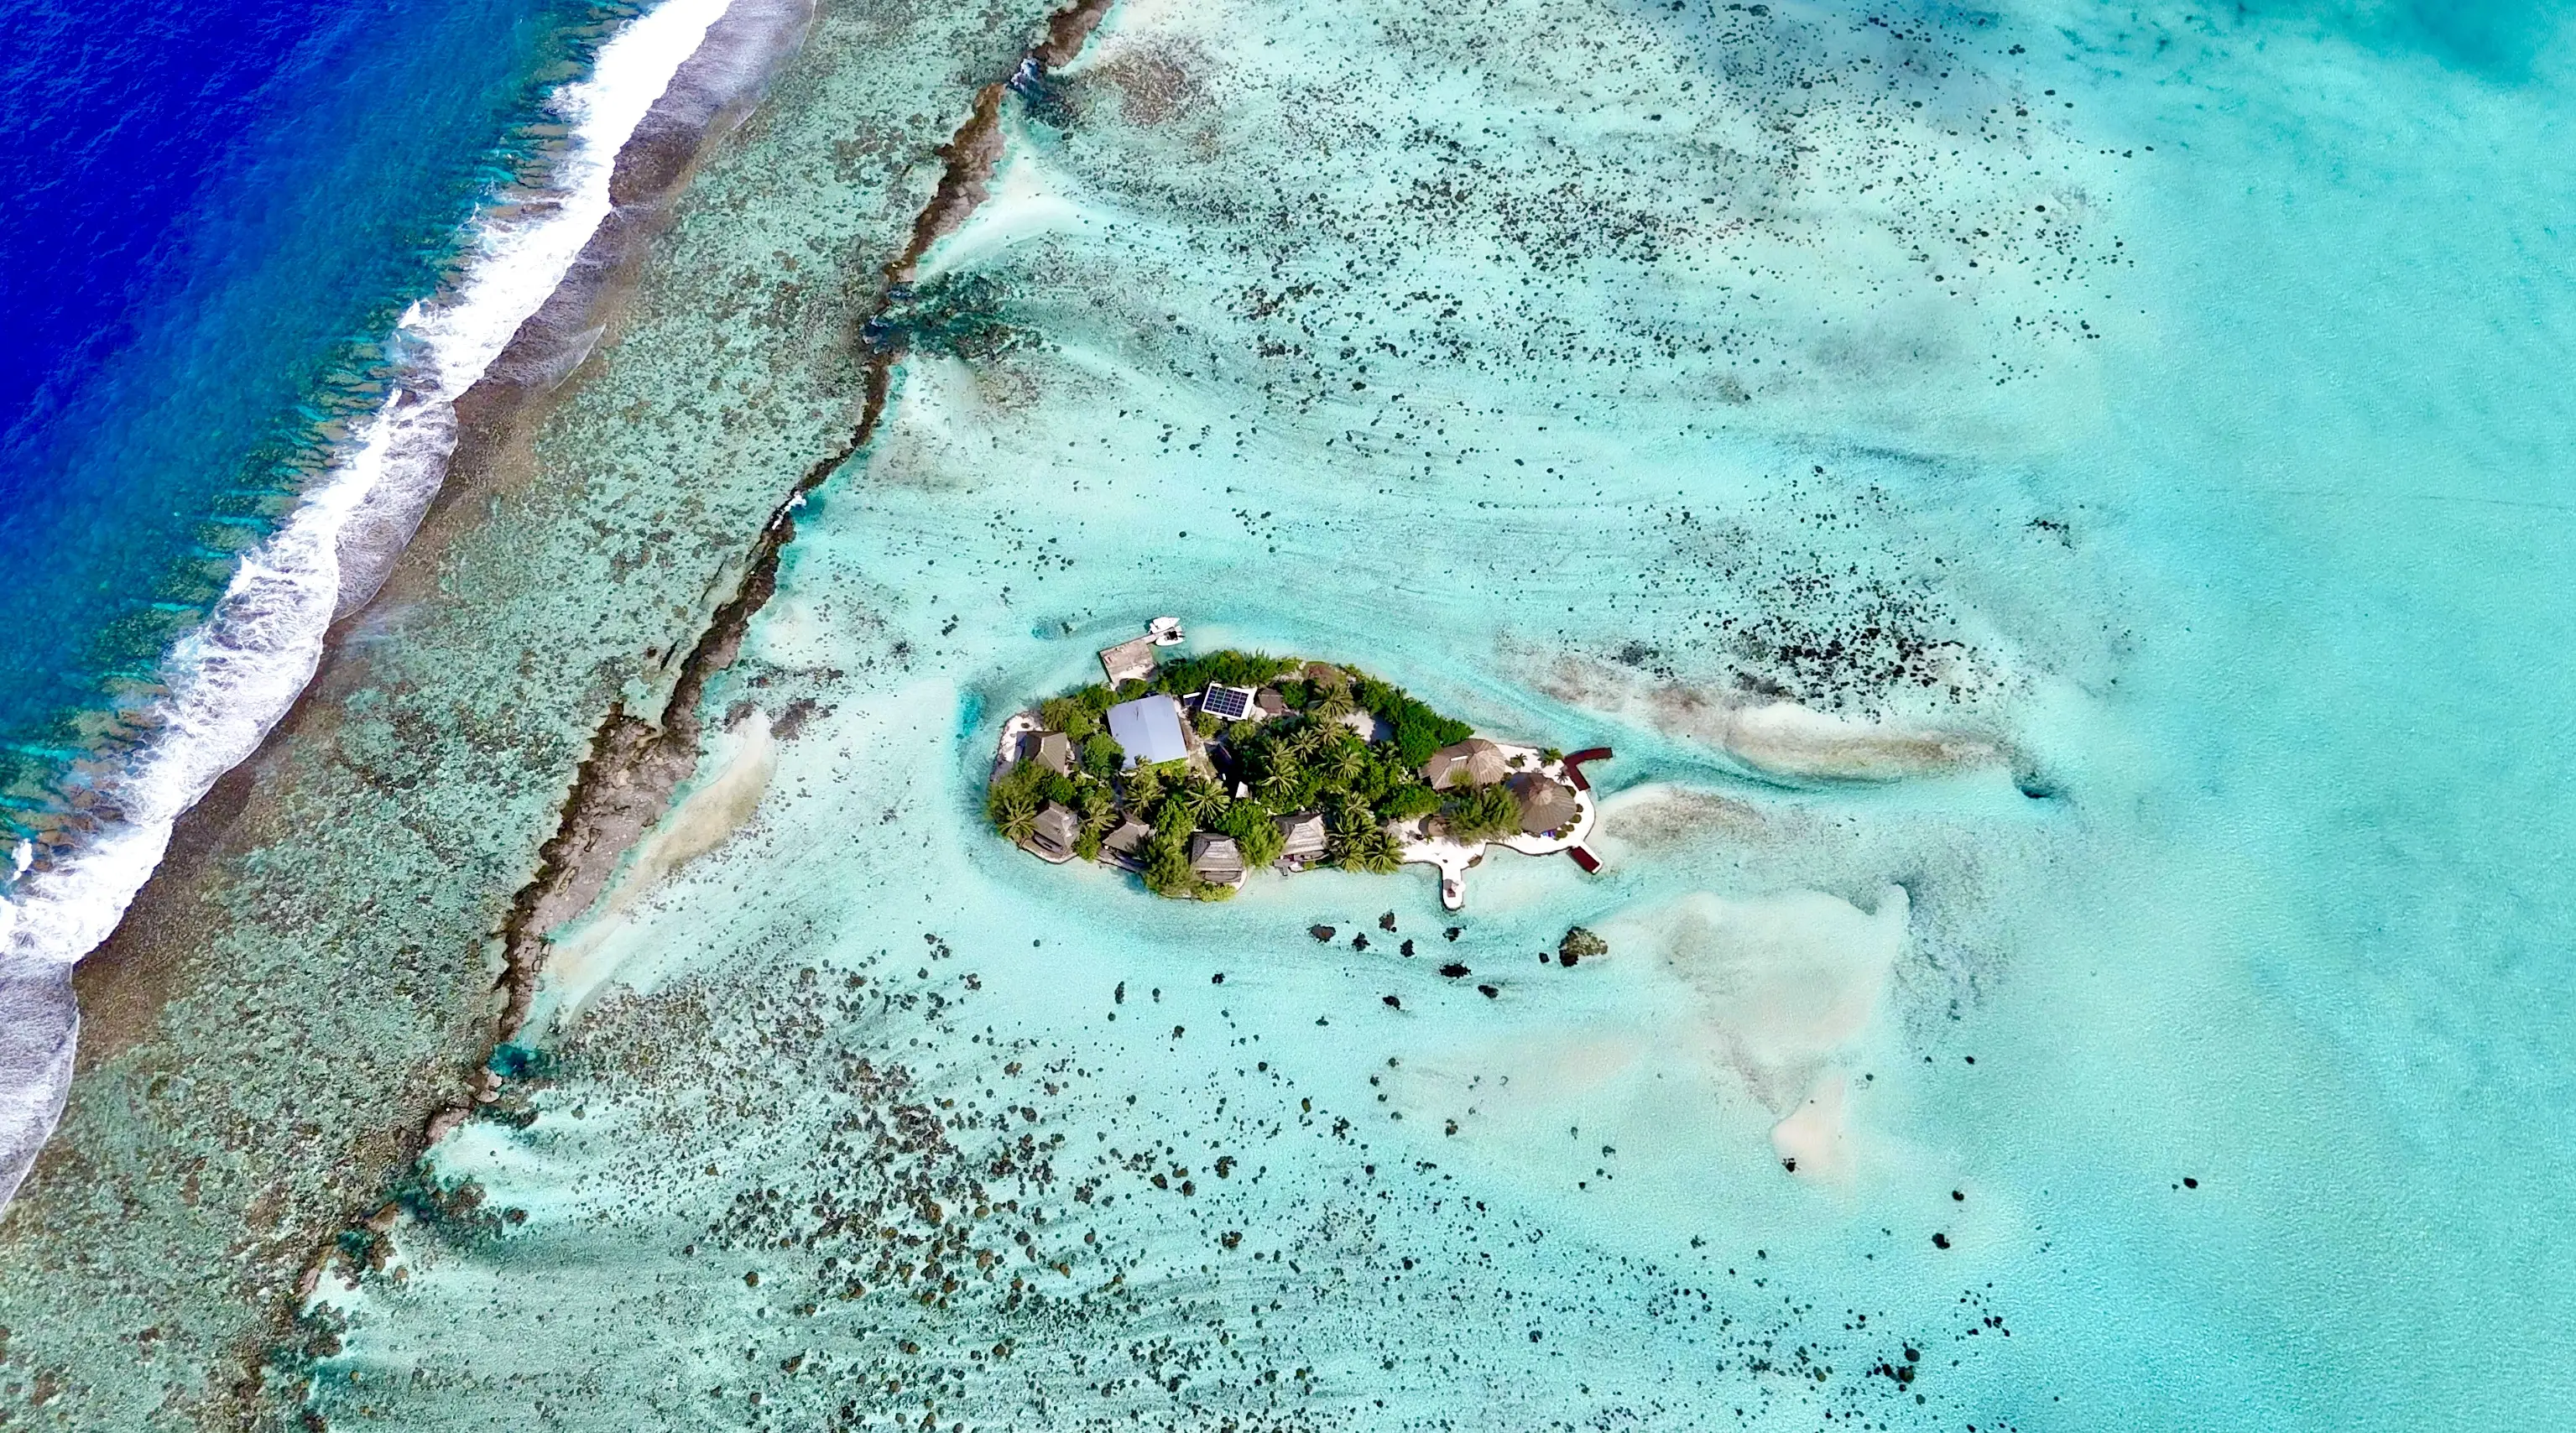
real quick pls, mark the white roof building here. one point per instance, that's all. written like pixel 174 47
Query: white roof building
pixel 1149 729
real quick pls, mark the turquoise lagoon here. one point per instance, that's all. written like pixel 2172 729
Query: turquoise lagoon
pixel 2138 430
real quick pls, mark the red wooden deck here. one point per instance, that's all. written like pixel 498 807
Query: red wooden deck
pixel 1574 765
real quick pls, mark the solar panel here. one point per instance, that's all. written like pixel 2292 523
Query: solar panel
pixel 1228 702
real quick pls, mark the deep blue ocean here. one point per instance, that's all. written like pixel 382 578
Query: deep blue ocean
pixel 219 211
pixel 256 256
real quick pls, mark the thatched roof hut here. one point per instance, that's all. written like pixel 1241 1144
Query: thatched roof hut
pixel 1057 829
pixel 1473 762
pixel 1547 806
pixel 1324 674
pixel 1216 859
pixel 1303 838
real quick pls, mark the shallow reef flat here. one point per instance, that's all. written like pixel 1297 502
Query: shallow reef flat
pixel 874 1120
pixel 1725 384
pixel 313 974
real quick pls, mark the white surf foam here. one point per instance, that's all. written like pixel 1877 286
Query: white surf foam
pixel 235 676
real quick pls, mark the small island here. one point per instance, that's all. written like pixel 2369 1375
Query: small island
pixel 1194 772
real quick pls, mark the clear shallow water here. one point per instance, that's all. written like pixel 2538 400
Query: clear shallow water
pixel 1479 351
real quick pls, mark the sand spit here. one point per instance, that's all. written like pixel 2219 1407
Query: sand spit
pixel 1660 815
pixel 1786 739
pixel 701 821
pixel 322 934
pixel 707 816
pixel 1774 737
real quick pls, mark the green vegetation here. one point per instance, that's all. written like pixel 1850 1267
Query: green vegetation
pixel 1419 731
pixel 1190 675
pixel 1101 756
pixel 1365 848
pixel 1310 759
pixel 1098 808
pixel 1167 859
pixel 1074 716
pixel 1011 803
pixel 1483 813
pixel 1407 802
pixel 1254 831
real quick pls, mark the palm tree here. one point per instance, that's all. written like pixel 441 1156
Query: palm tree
pixel 1172 817
pixel 1488 813
pixel 1145 788
pixel 1350 814
pixel 1346 762
pixel 1302 742
pixel 1201 799
pixel 1014 812
pixel 1370 848
pixel 1284 772
pixel 1099 812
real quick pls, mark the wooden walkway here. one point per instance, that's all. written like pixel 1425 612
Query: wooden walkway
pixel 1590 863
pixel 1574 765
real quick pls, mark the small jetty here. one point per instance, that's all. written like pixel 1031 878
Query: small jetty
pixel 1574 765
pixel 1590 863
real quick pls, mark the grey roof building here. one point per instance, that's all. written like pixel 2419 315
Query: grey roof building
pixel 1050 749
pixel 1129 661
pixel 1126 845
